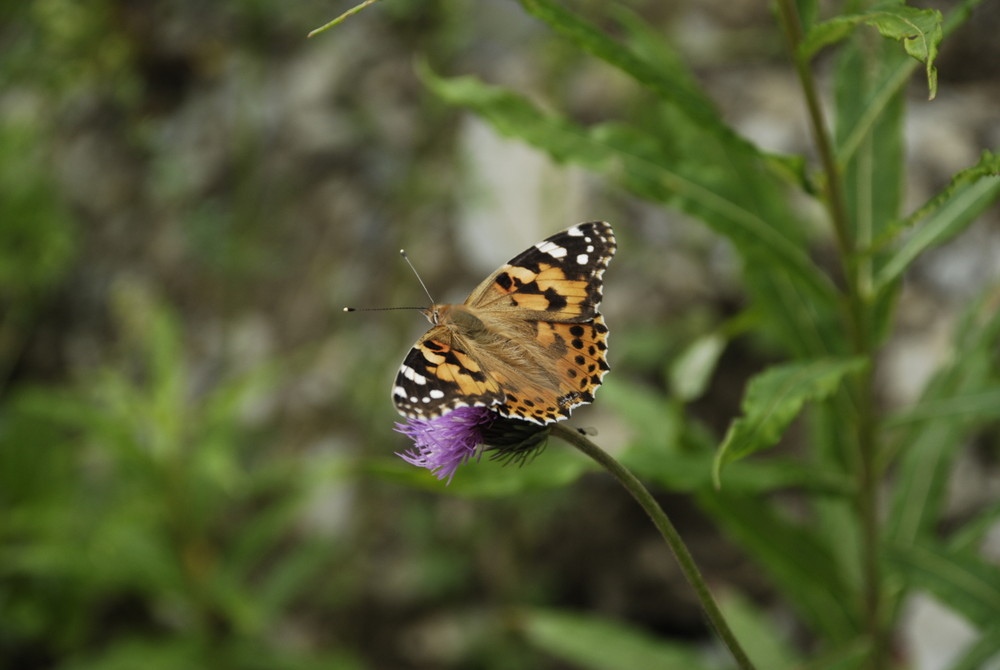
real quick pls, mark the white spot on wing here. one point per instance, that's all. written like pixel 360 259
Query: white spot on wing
pixel 575 231
pixel 412 375
pixel 436 394
pixel 399 391
pixel 582 259
pixel 551 248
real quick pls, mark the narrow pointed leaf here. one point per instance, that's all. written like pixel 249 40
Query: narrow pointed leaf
pixel 979 405
pixel 592 643
pixel 774 398
pixel 928 446
pixel 648 59
pixel 890 81
pixel 691 371
pixel 972 532
pixel 873 172
pixel 796 557
pixel 639 161
pixel 847 656
pixel 765 643
pixel 968 195
pixel 668 80
pixel 962 580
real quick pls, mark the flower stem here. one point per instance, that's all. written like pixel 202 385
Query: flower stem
pixel 857 289
pixel 350 12
pixel 667 530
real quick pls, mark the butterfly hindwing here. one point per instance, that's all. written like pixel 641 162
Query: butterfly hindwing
pixel 436 376
pixel 580 366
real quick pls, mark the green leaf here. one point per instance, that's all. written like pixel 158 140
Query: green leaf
pixel 773 399
pixel 852 655
pixel 594 643
pixel 972 532
pixel 677 455
pixel 929 445
pixel 514 116
pixel 690 472
pixel 650 62
pixel 130 651
pixel 808 11
pixel 37 238
pixel 733 195
pixel 655 418
pixel 920 31
pixel 667 78
pixel 963 581
pixel 788 311
pixel 979 405
pixel 833 450
pixel 796 557
pixel 948 213
pixel 758 633
pixel 292 579
pixel 691 371
pixel 680 165
pixel 685 465
pixel 647 58
pixel 873 170
pixel 889 81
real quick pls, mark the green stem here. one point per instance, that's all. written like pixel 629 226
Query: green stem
pixel 667 530
pixel 835 201
pixel 350 12
pixel 857 294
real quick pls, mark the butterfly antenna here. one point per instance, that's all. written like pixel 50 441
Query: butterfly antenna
pixel 402 252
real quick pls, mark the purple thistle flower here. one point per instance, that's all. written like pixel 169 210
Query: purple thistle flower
pixel 444 443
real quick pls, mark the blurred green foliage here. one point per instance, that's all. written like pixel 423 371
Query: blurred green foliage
pixel 37 241
pixel 831 563
pixel 129 497
pixel 195 459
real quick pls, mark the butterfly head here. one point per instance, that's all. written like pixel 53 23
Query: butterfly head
pixel 434 313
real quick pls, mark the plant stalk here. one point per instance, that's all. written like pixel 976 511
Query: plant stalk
pixel 642 496
pixel 835 201
pixel 862 341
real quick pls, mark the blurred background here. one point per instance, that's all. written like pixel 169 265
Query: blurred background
pixel 196 443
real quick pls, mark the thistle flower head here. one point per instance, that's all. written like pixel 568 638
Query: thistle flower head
pixel 446 442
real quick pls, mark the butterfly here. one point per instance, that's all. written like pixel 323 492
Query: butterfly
pixel 528 343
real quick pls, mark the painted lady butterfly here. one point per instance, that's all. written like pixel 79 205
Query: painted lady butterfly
pixel 528 342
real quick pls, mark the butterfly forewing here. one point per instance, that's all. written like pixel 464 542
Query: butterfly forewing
pixel 529 340
pixel 561 276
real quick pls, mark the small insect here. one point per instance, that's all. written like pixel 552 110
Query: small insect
pixel 528 342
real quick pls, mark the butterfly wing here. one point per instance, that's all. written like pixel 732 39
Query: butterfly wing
pixel 561 278
pixel 439 374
